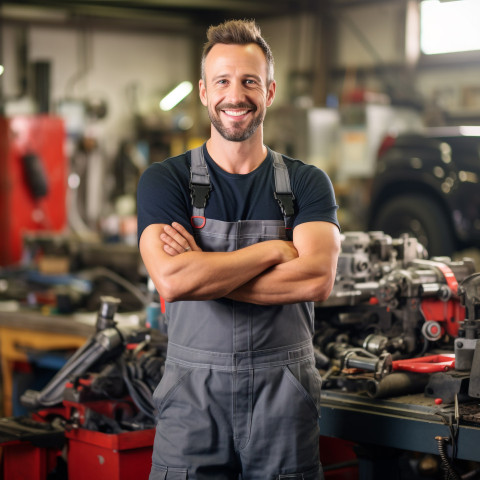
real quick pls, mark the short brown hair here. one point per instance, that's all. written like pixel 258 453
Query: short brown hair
pixel 237 32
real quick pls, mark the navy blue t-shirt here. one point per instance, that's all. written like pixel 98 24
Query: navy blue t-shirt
pixel 163 194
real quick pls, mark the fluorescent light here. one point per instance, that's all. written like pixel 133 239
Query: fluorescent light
pixel 176 96
pixel 448 27
pixel 1 69
pixel 470 131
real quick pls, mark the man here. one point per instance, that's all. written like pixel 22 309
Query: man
pixel 240 394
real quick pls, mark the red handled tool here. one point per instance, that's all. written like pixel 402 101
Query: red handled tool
pixel 429 364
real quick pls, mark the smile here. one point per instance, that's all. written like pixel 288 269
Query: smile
pixel 235 113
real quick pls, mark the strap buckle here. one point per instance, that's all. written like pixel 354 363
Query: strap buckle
pixel 285 200
pixel 199 194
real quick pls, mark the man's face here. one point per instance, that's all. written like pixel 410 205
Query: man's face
pixel 235 90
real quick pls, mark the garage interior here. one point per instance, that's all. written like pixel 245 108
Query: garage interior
pixel 383 95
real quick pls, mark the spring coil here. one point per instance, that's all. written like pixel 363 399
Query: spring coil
pixel 450 473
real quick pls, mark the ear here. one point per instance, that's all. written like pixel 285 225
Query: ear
pixel 202 92
pixel 271 92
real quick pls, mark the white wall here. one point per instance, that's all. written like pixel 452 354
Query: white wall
pixel 382 26
pixel 104 65
pixel 291 41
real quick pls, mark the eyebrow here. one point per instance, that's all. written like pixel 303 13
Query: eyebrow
pixel 248 75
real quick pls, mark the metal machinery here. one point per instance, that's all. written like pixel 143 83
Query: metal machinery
pixel 390 307
pixel 396 323
pixel 98 407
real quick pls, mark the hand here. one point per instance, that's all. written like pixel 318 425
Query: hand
pixel 287 250
pixel 178 240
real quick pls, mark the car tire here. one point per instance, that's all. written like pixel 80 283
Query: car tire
pixel 419 216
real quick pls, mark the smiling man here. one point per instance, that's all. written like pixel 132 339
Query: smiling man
pixel 240 241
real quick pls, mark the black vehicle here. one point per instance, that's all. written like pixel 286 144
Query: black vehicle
pixel 428 185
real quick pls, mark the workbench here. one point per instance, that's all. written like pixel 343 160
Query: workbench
pixel 409 422
pixel 24 331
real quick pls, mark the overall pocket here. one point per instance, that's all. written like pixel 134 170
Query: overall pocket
pixel 164 473
pixel 173 378
pixel 308 381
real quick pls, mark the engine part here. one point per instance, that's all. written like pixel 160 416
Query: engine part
pixel 397 383
pixel 447 385
pixel 380 366
pixel 470 296
pixel 105 344
pixel 469 332
pixel 375 343
pixel 106 313
pixel 432 331
pixel 474 384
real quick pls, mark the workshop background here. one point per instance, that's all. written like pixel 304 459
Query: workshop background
pixel 384 95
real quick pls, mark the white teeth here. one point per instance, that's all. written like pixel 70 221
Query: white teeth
pixel 235 113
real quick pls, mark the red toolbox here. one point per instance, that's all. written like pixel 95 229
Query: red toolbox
pixel 121 456
pixel 32 156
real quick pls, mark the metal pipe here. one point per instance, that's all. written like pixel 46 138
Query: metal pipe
pixel 398 383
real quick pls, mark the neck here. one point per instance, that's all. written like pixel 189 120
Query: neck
pixel 237 157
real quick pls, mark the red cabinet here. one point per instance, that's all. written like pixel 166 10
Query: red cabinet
pixel 33 180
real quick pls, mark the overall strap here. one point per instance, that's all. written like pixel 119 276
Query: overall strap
pixel 200 187
pixel 283 191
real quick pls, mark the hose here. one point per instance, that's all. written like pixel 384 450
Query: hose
pixel 450 473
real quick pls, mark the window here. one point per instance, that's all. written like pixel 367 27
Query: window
pixel 448 26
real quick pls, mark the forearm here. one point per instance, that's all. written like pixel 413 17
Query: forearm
pixel 308 277
pixel 210 275
pixel 299 280
pixel 198 275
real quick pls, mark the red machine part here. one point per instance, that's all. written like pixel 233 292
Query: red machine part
pixel 428 364
pixel 42 136
pixel 448 313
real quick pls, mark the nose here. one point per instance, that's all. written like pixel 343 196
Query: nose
pixel 236 92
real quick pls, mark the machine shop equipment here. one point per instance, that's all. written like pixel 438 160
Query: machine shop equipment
pixel 395 324
pixel 110 379
pixel 104 358
pixel 99 402
pixel 391 303
pixel 463 381
pixel 471 296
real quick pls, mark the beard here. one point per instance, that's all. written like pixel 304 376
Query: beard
pixel 236 133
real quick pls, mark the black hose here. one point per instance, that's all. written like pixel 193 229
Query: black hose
pixel 450 473
pixel 139 391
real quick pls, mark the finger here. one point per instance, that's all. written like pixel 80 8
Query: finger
pixel 187 236
pixel 182 231
pixel 177 237
pixel 171 251
pixel 172 243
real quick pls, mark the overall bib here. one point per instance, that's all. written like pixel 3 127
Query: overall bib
pixel 240 395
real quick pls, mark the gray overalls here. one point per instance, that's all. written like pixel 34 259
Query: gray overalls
pixel 240 395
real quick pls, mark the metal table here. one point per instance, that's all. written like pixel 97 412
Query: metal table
pixel 410 422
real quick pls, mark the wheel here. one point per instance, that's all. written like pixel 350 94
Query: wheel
pixel 420 217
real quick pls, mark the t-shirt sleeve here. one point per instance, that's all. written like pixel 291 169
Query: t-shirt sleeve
pixel 315 197
pixel 162 197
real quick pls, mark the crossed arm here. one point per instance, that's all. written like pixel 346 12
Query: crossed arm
pixel 267 273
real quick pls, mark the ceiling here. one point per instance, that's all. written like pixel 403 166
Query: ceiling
pixel 171 13
pixel 166 14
